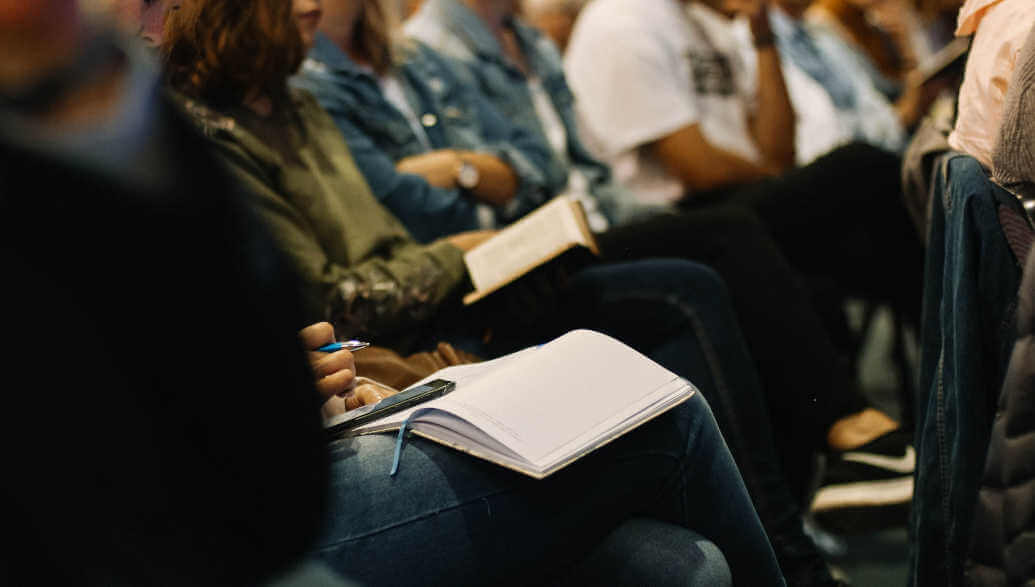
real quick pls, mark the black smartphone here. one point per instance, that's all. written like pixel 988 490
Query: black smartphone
pixel 400 401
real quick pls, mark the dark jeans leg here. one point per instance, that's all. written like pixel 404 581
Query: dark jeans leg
pixel 842 217
pixel 807 385
pixel 645 551
pixel 678 313
pixel 450 519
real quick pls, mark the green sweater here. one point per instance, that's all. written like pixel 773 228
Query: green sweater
pixel 361 268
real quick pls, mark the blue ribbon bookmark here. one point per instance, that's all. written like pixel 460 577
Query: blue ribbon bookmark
pixel 399 439
pixel 399 447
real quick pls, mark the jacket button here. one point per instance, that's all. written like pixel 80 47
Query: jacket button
pixel 429 120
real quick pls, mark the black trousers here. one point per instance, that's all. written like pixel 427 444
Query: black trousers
pixel 841 218
pixel 839 221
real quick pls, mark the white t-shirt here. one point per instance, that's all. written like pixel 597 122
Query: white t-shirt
pixel 643 69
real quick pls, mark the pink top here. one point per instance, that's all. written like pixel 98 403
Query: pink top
pixel 1002 27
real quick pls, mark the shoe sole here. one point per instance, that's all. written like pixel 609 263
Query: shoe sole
pixel 863 494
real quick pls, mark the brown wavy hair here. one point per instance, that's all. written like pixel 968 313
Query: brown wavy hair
pixel 222 51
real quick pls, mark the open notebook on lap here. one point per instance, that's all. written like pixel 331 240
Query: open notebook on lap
pixel 537 410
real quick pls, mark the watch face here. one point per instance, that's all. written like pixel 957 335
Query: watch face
pixel 467 176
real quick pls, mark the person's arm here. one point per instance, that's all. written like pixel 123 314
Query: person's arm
pixel 525 153
pixel 772 125
pixel 428 211
pixel 497 182
pixel 379 295
pixel 917 97
pixel 688 155
pixel 639 98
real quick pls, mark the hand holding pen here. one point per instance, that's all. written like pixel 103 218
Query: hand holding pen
pixel 333 368
pixel 347 345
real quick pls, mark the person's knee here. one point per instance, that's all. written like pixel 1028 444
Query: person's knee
pixel 676 275
pixel 712 569
pixel 655 279
pixel 694 284
pixel 645 551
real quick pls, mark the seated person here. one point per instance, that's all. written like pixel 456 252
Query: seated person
pixel 834 99
pixel 456 167
pixel 999 551
pixel 345 76
pixel 203 474
pixel 301 172
pixel 345 73
pixel 977 243
pixel 886 32
pixel 360 266
pixel 521 73
pixel 700 133
pixel 999 28
pixel 672 109
pixel 1013 159
pixel 159 424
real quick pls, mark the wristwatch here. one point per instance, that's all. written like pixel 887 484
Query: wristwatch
pixel 467 175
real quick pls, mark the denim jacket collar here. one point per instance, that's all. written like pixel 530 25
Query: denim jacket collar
pixel 530 40
pixel 360 88
pixel 329 55
pixel 468 27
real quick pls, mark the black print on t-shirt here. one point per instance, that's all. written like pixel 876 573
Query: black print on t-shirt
pixel 713 74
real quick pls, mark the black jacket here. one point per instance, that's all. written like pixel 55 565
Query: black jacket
pixel 158 422
pixel 1003 541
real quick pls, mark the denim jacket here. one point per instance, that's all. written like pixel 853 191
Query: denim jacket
pixel 452 116
pixel 970 291
pixel 449 27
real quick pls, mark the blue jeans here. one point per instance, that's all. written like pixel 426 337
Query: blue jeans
pixel 970 289
pixel 676 469
pixel 449 519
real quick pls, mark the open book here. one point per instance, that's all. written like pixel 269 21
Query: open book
pixel 546 233
pixel 540 409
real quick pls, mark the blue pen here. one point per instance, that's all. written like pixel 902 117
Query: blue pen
pixel 351 345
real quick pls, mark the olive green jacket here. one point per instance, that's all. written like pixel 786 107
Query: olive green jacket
pixel 361 269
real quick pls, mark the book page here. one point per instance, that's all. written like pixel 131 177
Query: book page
pixel 579 385
pixel 543 234
pixel 463 376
